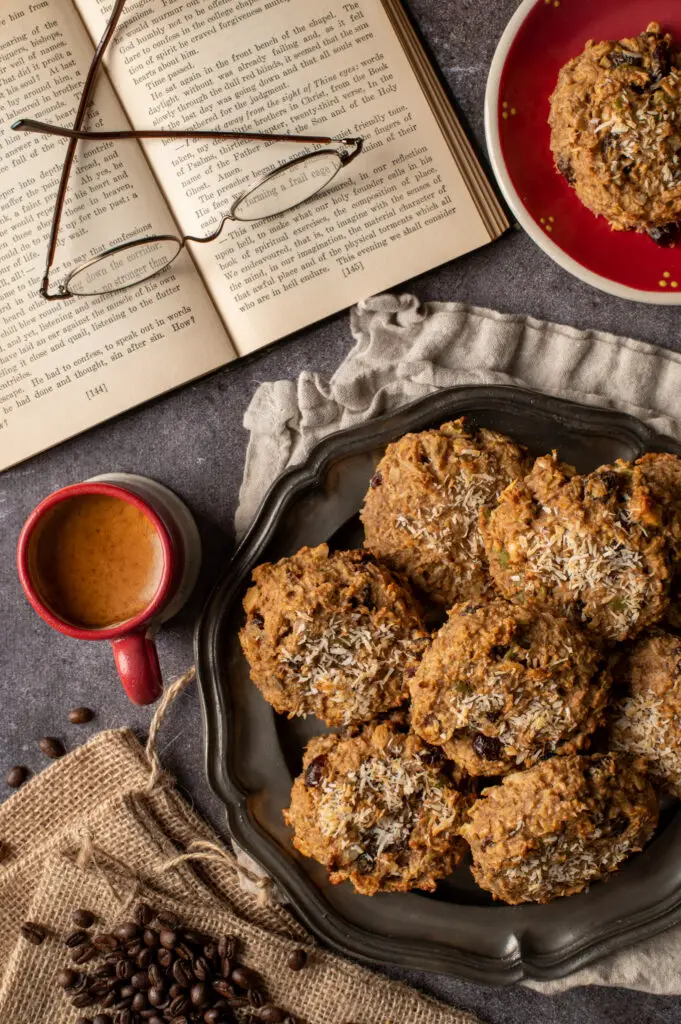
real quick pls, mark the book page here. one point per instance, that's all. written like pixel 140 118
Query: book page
pixel 67 365
pixel 290 66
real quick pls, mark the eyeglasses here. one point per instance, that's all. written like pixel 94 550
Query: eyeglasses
pixel 123 266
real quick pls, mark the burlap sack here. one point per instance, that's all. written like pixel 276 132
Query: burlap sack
pixel 100 829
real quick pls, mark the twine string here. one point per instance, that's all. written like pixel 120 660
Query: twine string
pixel 158 776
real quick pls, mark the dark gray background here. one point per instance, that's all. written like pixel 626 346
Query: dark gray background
pixel 194 442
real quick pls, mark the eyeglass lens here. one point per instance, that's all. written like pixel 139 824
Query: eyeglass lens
pixel 124 266
pixel 288 186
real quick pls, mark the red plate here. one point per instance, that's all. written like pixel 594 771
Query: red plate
pixel 541 37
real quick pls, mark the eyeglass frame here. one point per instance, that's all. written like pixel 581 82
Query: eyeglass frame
pixel 75 135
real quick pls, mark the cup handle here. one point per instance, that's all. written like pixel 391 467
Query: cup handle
pixel 137 663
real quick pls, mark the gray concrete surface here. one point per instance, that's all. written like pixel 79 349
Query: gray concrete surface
pixel 194 442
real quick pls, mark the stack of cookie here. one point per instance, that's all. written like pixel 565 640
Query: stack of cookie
pixel 530 726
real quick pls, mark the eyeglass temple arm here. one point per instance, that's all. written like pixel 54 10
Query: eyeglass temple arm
pixel 71 151
pixel 27 124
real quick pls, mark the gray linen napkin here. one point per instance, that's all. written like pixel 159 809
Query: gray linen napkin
pixel 403 351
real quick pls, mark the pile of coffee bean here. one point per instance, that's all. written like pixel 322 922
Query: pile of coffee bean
pixel 155 970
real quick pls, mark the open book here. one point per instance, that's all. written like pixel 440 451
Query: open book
pixel 416 196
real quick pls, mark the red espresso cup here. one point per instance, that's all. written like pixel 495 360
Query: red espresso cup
pixel 159 554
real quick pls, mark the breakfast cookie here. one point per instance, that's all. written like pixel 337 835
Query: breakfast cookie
pixel 616 132
pixel 590 547
pixel 647 720
pixel 556 828
pixel 375 809
pixel 332 635
pixel 420 515
pixel 502 686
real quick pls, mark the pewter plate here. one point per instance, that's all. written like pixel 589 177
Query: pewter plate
pixel 253 754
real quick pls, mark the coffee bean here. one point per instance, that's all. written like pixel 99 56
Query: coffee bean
pixel 168 938
pixel 102 1018
pixel 194 937
pixel 77 938
pixel 80 716
pixel 52 747
pixel 140 981
pixel 109 999
pixel 150 938
pixel 33 933
pixel 83 1020
pixel 227 967
pixel 198 994
pixel 175 990
pixel 82 1000
pixel 201 968
pixel 125 1017
pixel 151 1020
pixel 17 777
pixel 245 977
pixel 106 971
pixel 155 975
pixel 297 960
pixel 145 958
pixel 256 998
pixel 168 919
pixel 227 947
pixel 272 1015
pixel 83 954
pixel 212 1016
pixel 157 996
pixel 124 970
pixel 68 978
pixel 182 973
pixel 133 949
pixel 165 958
pixel 127 931
pixel 210 951
pixel 99 987
pixel 127 992
pixel 181 1019
pixel 83 918
pixel 123 1003
pixel 104 942
pixel 179 1006
pixel 139 1002
pixel 144 915
pixel 223 987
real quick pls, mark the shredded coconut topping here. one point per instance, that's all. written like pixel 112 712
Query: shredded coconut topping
pixel 455 519
pixel 376 808
pixel 349 661
pixel 651 727
pixel 581 565
pixel 564 862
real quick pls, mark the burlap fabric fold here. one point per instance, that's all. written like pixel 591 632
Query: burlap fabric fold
pixel 102 828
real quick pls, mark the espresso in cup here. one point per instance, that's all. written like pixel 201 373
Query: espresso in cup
pixel 96 560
